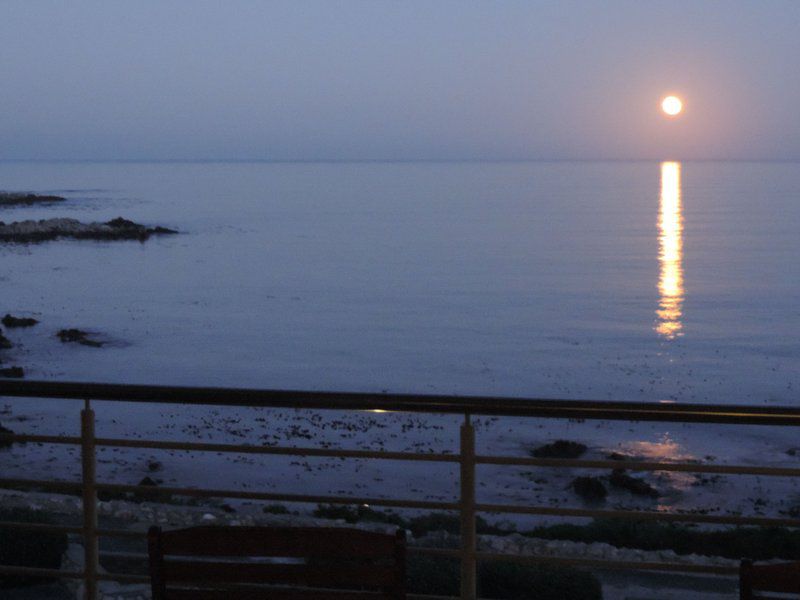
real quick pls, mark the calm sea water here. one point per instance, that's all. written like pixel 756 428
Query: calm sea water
pixel 638 281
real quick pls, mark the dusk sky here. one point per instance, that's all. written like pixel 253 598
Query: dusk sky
pixel 398 80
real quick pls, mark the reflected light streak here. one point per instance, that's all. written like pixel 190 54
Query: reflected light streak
pixel 670 252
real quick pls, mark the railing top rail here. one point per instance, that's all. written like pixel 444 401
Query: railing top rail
pixel 667 411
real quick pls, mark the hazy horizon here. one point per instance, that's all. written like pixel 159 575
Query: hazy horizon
pixel 383 81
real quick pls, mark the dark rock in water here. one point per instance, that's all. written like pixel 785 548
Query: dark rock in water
pixel 26 199
pixel 618 456
pixel 51 229
pixel 590 489
pixel 559 449
pixel 150 496
pixel 5 343
pixel 10 321
pixel 12 372
pixel 5 443
pixel 154 466
pixel 78 336
pixel 620 479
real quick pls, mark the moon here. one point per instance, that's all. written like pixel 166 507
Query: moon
pixel 672 105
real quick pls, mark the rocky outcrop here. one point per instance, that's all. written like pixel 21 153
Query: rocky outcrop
pixel 51 229
pixel 12 322
pixel 591 489
pixel 560 449
pixel 26 199
pixel 12 372
pixel 78 336
pixel 4 442
pixel 620 479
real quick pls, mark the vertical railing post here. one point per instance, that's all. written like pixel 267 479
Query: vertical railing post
pixel 468 535
pixel 88 461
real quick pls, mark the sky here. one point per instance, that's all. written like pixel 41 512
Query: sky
pixel 411 80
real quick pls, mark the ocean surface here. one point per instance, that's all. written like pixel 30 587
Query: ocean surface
pixel 631 281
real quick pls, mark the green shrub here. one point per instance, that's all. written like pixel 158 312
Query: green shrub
pixel 22 548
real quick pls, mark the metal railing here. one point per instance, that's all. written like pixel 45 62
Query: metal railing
pixel 467 506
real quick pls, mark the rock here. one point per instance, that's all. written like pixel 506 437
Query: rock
pixel 10 321
pixel 154 465
pixel 147 481
pixel 51 229
pixel 12 372
pixel 560 449
pixel 590 489
pixel 78 336
pixel 4 443
pixel 620 479
pixel 26 199
pixel 5 343
pixel 618 456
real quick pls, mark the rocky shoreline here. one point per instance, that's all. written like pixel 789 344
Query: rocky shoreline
pixel 27 199
pixel 51 229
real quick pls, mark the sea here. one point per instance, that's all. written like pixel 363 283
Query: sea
pixel 575 280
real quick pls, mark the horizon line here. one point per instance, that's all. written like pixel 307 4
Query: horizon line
pixel 394 160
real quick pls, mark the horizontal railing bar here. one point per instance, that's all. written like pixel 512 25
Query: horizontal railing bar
pixel 123 578
pixel 411 549
pixel 666 411
pixel 612 564
pixel 311 499
pixel 414 456
pixel 637 515
pixel 45 527
pixel 41 483
pixel 125 533
pixel 38 572
pixel 22 438
pixel 278 450
pixel 518 558
pixel 634 465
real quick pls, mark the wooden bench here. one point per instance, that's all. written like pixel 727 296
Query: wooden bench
pixel 276 563
pixel 782 578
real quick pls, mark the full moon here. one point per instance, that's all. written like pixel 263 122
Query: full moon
pixel 672 105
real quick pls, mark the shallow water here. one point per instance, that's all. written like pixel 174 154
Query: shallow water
pixel 631 281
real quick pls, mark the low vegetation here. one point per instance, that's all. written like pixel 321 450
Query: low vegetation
pixel 757 543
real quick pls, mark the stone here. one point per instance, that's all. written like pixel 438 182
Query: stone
pixel 12 372
pixel 590 489
pixel 78 336
pixel 26 199
pixel 560 449
pixel 11 322
pixel 4 443
pixel 5 343
pixel 51 229
pixel 620 479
